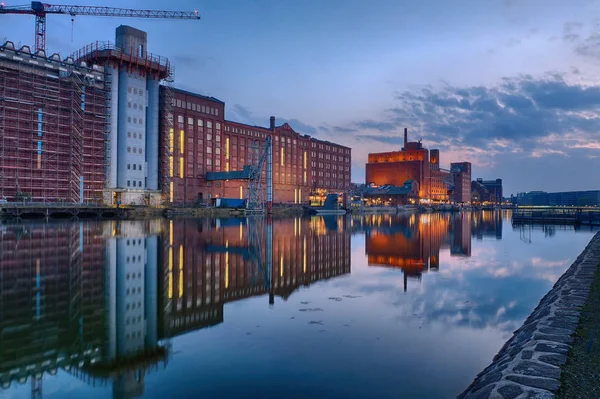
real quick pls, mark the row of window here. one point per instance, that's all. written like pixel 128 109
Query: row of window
pixel 135 167
pixel 136 150
pixel 196 107
pixel 135 183
pixel 135 135
pixel 135 91
pixel 135 106
pixel 135 120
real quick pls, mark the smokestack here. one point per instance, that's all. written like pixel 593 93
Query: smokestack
pixel 405 137
pixel 272 124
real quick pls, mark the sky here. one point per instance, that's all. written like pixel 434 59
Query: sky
pixel 508 85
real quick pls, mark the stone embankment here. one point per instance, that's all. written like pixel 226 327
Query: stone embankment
pixel 529 364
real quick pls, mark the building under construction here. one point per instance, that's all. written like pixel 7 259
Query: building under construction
pixel 52 126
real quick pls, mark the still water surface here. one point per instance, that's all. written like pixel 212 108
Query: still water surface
pixel 338 307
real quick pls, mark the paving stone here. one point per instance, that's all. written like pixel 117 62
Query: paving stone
pixel 526 355
pixel 561 324
pixel 554 338
pixel 487 379
pixel 539 395
pixel 555 359
pixel 482 393
pixel 510 391
pixel 535 382
pixel 555 331
pixel 527 367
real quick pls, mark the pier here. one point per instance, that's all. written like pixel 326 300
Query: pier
pixel 34 210
pixel 557 215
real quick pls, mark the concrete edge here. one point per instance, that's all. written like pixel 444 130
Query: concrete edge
pixel 529 363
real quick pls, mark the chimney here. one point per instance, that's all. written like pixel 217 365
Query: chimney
pixel 405 137
pixel 272 124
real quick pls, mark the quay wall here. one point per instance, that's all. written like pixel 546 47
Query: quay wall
pixel 529 364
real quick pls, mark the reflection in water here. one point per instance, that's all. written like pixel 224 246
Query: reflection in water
pixel 102 300
pixel 412 243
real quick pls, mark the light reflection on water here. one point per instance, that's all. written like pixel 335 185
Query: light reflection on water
pixel 379 305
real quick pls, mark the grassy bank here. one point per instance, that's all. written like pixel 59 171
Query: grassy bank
pixel 580 377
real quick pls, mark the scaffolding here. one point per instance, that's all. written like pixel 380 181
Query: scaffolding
pixel 166 133
pixel 51 125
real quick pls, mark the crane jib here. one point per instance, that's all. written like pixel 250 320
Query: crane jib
pixel 40 10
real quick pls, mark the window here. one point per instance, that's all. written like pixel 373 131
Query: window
pixel 129 119
pixel 209 150
pixel 218 126
pixel 141 120
pixel 135 135
pixel 200 123
pixel 134 183
pixel 190 121
pixel 129 104
pixel 135 106
pixel 128 183
pixel 140 166
pixel 128 135
pixel 204 109
pixel 217 111
pixel 141 136
pixel 128 166
pixel 140 183
pixel 129 89
pixel 128 149
pixel 208 137
pixel 134 165
pixel 141 151
pixel 209 124
pixel 134 120
pixel 135 150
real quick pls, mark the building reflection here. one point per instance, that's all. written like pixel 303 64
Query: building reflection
pixel 213 262
pixel 101 301
pixel 413 242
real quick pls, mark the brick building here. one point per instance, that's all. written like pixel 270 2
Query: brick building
pixel 461 175
pixel 204 141
pixel 487 190
pixel 412 162
pixel 52 120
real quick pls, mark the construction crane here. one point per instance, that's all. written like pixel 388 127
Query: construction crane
pixel 40 10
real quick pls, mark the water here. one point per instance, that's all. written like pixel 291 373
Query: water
pixel 379 306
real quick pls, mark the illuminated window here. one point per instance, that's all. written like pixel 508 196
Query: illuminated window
pixel 282 156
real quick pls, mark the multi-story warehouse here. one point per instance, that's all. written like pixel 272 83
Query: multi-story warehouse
pixel 412 162
pixel 461 174
pixel 132 96
pixel 88 128
pixel 52 123
pixel 487 190
pixel 204 141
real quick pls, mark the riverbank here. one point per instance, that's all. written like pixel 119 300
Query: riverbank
pixel 529 364
pixel 95 212
pixel 580 377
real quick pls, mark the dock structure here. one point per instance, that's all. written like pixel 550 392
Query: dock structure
pixel 557 215
pixel 58 210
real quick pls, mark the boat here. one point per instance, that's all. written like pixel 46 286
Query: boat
pixel 407 208
pixel 330 207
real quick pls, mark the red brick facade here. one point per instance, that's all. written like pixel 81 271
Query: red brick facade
pixel 203 141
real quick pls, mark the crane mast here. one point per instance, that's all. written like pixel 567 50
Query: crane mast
pixel 41 10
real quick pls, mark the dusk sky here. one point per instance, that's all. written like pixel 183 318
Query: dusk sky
pixel 511 86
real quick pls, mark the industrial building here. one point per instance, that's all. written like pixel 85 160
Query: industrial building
pixel 565 198
pixel 486 191
pixel 417 163
pixel 132 111
pixel 52 127
pixel 205 142
pixel 106 125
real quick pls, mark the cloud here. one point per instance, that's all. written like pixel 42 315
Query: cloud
pixel 238 113
pixel 514 116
